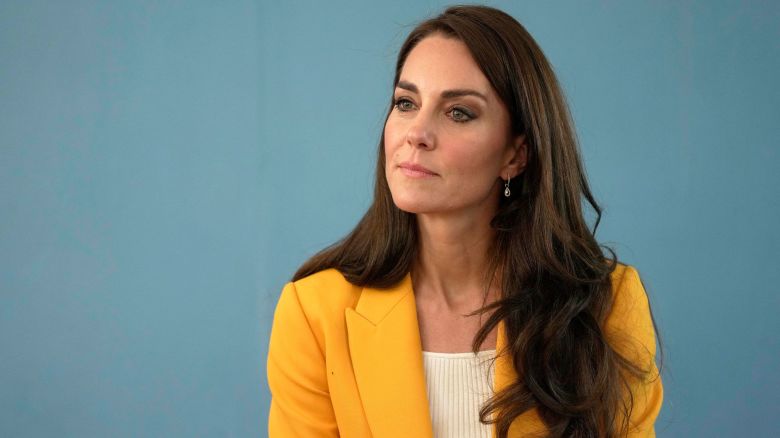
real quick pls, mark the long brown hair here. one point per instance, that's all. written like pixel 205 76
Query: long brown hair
pixel 556 288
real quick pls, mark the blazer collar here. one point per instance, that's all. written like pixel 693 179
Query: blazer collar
pixel 386 351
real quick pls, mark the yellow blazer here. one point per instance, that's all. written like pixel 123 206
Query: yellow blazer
pixel 347 361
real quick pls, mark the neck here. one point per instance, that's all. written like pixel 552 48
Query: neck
pixel 452 261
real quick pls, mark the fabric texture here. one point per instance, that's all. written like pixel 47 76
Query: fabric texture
pixel 347 361
pixel 458 384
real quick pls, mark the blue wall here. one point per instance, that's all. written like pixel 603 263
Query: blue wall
pixel 164 168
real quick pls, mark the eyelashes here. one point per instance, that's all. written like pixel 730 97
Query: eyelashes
pixel 401 101
pixel 457 114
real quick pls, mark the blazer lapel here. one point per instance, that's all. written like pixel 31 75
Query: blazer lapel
pixel 504 371
pixel 384 342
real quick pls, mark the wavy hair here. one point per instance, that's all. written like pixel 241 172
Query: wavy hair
pixel 555 278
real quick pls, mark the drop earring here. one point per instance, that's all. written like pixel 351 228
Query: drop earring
pixel 507 192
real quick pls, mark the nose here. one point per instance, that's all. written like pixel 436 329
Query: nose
pixel 420 134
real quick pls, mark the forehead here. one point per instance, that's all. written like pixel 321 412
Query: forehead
pixel 439 63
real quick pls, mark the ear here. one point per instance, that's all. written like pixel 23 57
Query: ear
pixel 515 158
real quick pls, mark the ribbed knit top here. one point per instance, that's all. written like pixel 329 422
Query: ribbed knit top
pixel 458 384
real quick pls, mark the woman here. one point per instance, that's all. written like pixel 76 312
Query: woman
pixel 474 248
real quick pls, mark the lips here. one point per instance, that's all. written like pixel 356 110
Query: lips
pixel 413 169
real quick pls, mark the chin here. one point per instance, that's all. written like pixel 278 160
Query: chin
pixel 409 197
pixel 413 204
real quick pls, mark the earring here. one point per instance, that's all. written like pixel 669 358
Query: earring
pixel 507 192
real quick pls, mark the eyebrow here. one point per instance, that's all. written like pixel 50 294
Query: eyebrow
pixel 447 94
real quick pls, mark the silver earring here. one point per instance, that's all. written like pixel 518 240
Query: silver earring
pixel 507 192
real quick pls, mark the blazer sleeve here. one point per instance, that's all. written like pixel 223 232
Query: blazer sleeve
pixel 300 399
pixel 630 330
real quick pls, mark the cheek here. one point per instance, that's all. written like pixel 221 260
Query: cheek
pixel 478 159
pixel 391 136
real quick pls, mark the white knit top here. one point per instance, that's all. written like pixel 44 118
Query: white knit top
pixel 458 384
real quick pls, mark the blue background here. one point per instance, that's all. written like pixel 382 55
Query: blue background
pixel 166 166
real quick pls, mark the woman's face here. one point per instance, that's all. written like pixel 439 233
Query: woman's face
pixel 447 139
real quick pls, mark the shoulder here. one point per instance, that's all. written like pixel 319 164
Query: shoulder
pixel 630 330
pixel 628 292
pixel 629 323
pixel 623 273
pixel 328 278
pixel 326 289
pixel 321 296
